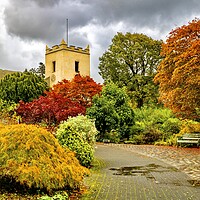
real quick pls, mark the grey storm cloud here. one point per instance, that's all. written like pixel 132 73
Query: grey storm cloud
pixel 46 3
pixel 46 19
pixel 42 21
pixel 92 22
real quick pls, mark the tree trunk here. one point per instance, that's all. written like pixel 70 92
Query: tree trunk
pixel 140 102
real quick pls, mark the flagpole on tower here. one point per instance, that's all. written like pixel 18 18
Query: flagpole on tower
pixel 67 30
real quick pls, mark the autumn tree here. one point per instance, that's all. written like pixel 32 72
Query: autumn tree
pixel 79 89
pixel 131 61
pixel 112 111
pixel 24 86
pixel 67 98
pixel 179 73
pixel 50 109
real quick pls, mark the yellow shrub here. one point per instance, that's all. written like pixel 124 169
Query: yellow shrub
pixel 1 126
pixel 32 157
pixel 190 127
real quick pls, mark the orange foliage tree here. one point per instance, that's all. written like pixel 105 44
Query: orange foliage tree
pixel 79 89
pixel 178 75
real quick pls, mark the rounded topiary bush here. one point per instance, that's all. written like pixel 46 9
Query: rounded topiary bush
pixel 32 157
pixel 72 140
pixel 78 134
pixel 85 128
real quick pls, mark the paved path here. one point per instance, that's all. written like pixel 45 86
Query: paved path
pixel 184 159
pixel 128 174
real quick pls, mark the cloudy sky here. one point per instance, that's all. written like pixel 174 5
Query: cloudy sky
pixel 27 26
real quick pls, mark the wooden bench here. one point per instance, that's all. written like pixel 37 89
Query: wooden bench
pixel 189 138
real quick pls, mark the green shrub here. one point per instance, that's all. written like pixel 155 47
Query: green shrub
pixel 113 136
pixel 112 111
pixel 153 125
pixel 179 128
pixel 78 137
pixel 170 141
pixel 85 127
pixel 7 112
pixel 171 129
pixel 31 157
pixel 183 127
pixel 153 115
pixel 138 128
pixel 24 86
pixel 72 140
pixel 171 125
pixel 148 136
pixel 58 196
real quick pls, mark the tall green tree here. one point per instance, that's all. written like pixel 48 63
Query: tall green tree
pixel 40 70
pixel 131 60
pixel 24 86
pixel 112 111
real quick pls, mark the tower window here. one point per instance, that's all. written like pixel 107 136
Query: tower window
pixel 76 66
pixel 54 66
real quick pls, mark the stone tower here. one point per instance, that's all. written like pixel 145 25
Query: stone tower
pixel 63 62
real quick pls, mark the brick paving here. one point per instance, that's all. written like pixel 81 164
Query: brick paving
pixel 184 159
pixel 143 172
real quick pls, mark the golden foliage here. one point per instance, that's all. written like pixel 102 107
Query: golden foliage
pixel 190 127
pixel 179 72
pixel 33 157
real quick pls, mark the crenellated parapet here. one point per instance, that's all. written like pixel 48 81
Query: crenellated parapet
pixel 64 62
pixel 63 46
